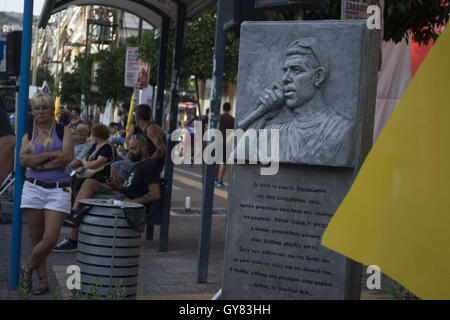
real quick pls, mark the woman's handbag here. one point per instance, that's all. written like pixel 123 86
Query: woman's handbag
pixel 89 173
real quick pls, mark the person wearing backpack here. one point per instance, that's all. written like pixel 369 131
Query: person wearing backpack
pixel 46 150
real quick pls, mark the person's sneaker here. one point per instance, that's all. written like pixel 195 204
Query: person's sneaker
pixel 66 245
pixel 219 184
pixel 69 223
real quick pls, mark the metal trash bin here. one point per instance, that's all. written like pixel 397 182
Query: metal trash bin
pixel 108 248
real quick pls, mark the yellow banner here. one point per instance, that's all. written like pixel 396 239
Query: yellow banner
pixel 130 118
pixel 130 113
pixel 57 112
pixel 397 213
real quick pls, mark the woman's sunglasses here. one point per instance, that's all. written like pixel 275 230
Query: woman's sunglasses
pixel 44 108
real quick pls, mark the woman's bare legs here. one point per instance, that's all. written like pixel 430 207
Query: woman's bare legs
pixel 52 223
pixel 88 189
pixel 36 227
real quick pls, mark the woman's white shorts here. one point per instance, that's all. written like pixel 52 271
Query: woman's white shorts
pixel 37 197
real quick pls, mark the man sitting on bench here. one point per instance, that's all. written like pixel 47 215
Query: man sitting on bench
pixel 143 185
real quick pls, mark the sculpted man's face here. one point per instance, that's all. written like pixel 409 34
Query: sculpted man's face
pixel 298 80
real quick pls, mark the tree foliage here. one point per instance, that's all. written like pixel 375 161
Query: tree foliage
pixel 71 88
pixel 419 16
pixel 149 51
pixel 109 80
pixel 42 74
pixel 198 50
pixel 72 83
pixel 111 75
pixel 400 16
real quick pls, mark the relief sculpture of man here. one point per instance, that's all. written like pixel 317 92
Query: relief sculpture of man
pixel 311 132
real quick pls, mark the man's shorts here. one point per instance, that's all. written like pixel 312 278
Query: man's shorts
pixel 37 197
pixel 5 126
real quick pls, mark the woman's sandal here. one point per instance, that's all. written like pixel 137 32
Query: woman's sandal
pixel 23 272
pixel 41 289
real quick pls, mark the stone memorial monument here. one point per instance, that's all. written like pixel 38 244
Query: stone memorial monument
pixel 315 83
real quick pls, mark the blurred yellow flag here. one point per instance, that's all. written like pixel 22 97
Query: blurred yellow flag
pixel 130 118
pixel 397 213
pixel 130 114
pixel 57 113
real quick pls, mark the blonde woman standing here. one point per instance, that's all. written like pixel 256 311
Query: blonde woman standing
pixel 46 194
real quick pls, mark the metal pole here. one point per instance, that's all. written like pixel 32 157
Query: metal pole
pixel 36 36
pixel 174 88
pixel 140 31
pixel 164 41
pixel 136 93
pixel 157 113
pixel 210 170
pixel 62 62
pixel 16 237
pixel 58 35
pixel 83 80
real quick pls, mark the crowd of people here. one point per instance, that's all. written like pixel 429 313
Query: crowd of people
pixel 226 122
pixel 67 161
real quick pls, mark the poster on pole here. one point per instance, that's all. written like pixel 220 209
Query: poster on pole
pixel 357 9
pixel 95 67
pixel 137 72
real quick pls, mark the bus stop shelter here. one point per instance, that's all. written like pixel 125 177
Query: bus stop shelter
pixel 162 14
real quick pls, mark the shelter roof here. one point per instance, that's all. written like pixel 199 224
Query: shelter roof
pixel 152 11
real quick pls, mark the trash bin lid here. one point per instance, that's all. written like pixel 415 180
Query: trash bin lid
pixel 112 203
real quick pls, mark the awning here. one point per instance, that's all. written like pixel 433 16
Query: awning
pixel 152 11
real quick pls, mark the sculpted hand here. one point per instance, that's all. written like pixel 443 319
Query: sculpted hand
pixel 273 97
pixel 270 99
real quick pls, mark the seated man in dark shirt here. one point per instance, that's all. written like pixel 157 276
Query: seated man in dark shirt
pixel 143 186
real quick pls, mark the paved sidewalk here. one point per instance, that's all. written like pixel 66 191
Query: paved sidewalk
pixel 168 275
pixel 162 275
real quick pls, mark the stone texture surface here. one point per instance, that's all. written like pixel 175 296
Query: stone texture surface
pixel 275 223
pixel 262 58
